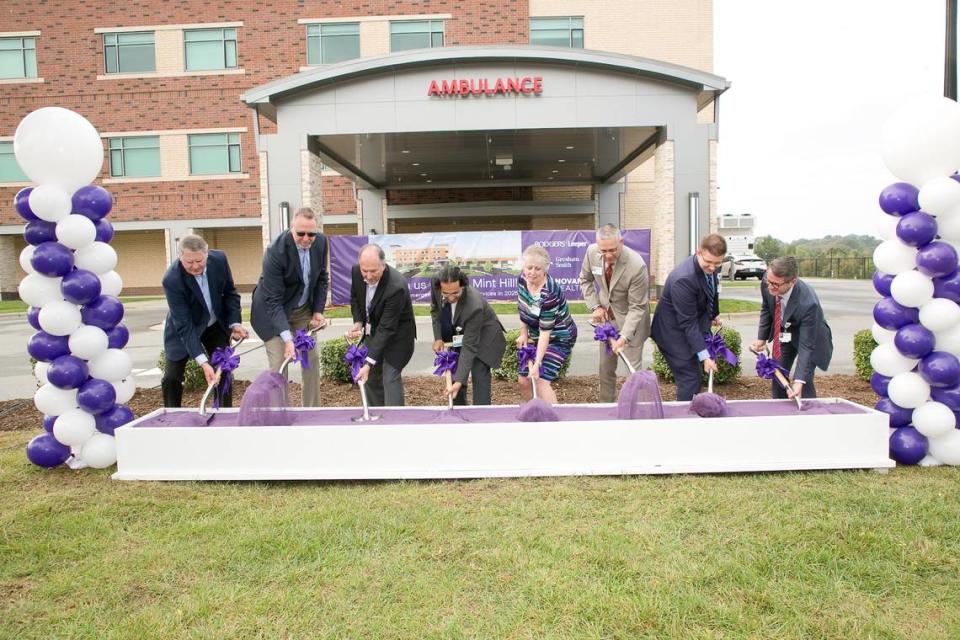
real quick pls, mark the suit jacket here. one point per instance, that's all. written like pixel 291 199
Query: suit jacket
pixel 684 311
pixel 802 318
pixel 627 295
pixel 482 332
pixel 281 284
pixel 393 328
pixel 188 315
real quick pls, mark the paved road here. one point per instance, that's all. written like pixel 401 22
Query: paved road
pixel 847 303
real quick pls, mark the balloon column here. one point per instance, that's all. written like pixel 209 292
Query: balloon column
pixel 917 322
pixel 72 290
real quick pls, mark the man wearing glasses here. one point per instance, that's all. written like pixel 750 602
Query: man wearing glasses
pixel 291 295
pixel 792 321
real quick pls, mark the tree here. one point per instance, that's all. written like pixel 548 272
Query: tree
pixel 768 248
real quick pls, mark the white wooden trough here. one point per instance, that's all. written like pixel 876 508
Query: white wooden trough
pixel 481 442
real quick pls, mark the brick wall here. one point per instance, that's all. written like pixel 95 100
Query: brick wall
pixel 338 198
pixel 439 196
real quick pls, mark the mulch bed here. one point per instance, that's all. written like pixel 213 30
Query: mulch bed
pixel 21 415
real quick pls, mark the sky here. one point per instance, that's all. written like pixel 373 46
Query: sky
pixel 812 84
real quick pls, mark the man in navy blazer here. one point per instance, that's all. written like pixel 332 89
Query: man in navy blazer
pixel 687 308
pixel 291 295
pixel 204 311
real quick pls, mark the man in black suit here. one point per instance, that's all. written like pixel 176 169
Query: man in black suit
pixel 204 311
pixel 687 307
pixel 291 295
pixel 463 317
pixel 383 316
pixel 792 320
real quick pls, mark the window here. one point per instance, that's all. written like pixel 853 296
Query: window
pixel 18 57
pixel 135 157
pixel 557 32
pixel 416 34
pixel 210 48
pixel 129 52
pixel 10 171
pixel 334 42
pixel 214 153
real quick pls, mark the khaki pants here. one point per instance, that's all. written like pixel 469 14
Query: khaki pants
pixel 608 369
pixel 310 378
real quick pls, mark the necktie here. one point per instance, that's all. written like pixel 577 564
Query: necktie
pixel 446 323
pixel 608 273
pixel 305 268
pixel 205 290
pixel 776 329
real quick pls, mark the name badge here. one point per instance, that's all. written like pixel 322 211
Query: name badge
pixel 366 329
pixel 597 271
pixel 785 337
pixel 534 311
pixel 457 342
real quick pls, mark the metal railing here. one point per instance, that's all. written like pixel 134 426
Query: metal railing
pixel 859 268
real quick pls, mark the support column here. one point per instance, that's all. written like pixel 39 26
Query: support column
pixel 372 211
pixel 609 198
pixel 9 272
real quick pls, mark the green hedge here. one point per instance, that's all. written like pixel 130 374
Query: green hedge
pixel 193 378
pixel 863 346
pixel 726 372
pixel 510 368
pixel 331 360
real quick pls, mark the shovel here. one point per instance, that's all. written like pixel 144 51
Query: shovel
pixel 782 379
pixel 367 416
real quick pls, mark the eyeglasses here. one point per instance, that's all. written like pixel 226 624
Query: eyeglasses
pixel 311 234
pixel 773 283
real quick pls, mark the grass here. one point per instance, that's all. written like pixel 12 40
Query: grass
pixel 17 306
pixel 793 555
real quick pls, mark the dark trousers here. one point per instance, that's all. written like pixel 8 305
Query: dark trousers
pixel 212 339
pixel 480 373
pixel 787 357
pixel 686 371
pixel 384 385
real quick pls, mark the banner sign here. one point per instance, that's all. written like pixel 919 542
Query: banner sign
pixel 491 259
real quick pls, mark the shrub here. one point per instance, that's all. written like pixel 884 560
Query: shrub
pixel 726 372
pixel 331 360
pixel 863 346
pixel 510 368
pixel 193 378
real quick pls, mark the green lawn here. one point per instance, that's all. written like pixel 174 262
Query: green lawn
pixel 16 306
pixel 793 555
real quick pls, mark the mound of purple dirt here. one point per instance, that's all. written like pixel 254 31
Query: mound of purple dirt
pixel 537 410
pixel 640 398
pixel 708 405
pixel 265 402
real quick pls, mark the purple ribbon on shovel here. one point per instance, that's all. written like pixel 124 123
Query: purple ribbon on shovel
pixel 767 367
pixel 446 361
pixel 605 333
pixel 226 360
pixel 303 343
pixel 356 357
pixel 717 348
pixel 526 355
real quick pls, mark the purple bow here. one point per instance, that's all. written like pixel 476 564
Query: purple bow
pixel 225 360
pixel 767 366
pixel 717 348
pixel 526 355
pixel 356 357
pixel 446 361
pixel 303 343
pixel 605 333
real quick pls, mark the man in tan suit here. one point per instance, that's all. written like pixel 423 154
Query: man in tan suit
pixel 616 287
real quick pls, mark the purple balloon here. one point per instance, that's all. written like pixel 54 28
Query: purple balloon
pixel 937 259
pixel 80 286
pixel 67 372
pixel 948 287
pixel 48 423
pixel 116 417
pixel 40 231
pixel 899 198
pixel 92 201
pixel 104 231
pixel 917 229
pixel 940 369
pixel 46 348
pixel 118 336
pixel 908 446
pixel 45 451
pixel 96 396
pixel 33 317
pixel 52 259
pixel 879 383
pixel 21 202
pixel 914 341
pixel 949 396
pixel 898 415
pixel 881 282
pixel 892 315
pixel 105 312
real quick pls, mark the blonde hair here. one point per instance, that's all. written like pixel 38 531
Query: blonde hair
pixel 536 251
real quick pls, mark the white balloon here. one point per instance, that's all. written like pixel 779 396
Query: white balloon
pixel 56 146
pixel 946 448
pixel 88 342
pixel 53 401
pixel 98 257
pixel 908 390
pixel 887 226
pixel 78 231
pixel 74 427
pixel 929 461
pixel 125 389
pixel 917 140
pixel 940 314
pixel 50 203
pixel 112 365
pixel 939 195
pixel 912 288
pixel 892 256
pixel 933 419
pixel 111 284
pixel 100 451
pixel 887 361
pixel 40 372
pixel 60 318
pixel 881 335
pixel 948 340
pixel 948 225
pixel 37 289
pixel 25 256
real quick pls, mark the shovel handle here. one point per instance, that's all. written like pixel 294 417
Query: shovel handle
pixel 449 379
pixel 216 379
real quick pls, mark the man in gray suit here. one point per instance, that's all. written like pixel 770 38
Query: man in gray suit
pixel 616 287
pixel 792 320
pixel 463 318
pixel 291 295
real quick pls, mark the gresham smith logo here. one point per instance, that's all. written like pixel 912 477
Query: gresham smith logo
pixel 527 85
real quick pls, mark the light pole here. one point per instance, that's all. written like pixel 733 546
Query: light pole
pixel 950 52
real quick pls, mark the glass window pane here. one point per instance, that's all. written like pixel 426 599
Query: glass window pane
pixel 29 43
pixel 231 53
pixel 405 41
pixel 116 143
pixel 136 58
pixel 549 23
pixel 230 34
pixel 576 23
pixel 339 48
pixel 234 158
pixel 11 64
pixel 140 37
pixel 116 162
pixel 313 50
pixel 10 44
pixel 313 29
pixel 30 62
pixel 208 160
pixel 140 142
pixel 141 163
pixel 551 38
pixel 206 139
pixel 340 29
pixel 576 39
pixel 417 26
pixel 9 169
pixel 233 138
pixel 204 55
pixel 202 35
pixel 109 38
pixel 436 40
